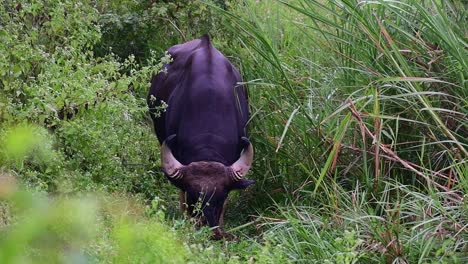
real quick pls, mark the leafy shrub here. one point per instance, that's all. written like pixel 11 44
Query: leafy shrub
pixel 93 105
pixel 45 62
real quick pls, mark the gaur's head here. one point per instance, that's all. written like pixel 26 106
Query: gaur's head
pixel 207 183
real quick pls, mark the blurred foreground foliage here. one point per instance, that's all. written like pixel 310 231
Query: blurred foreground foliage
pixel 84 229
pixel 39 227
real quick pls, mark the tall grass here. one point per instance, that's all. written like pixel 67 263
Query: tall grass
pixel 395 74
pixel 359 119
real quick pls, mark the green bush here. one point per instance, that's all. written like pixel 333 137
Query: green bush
pixel 139 27
pixel 92 106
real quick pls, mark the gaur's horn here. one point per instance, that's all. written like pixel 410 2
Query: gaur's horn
pixel 170 164
pixel 243 164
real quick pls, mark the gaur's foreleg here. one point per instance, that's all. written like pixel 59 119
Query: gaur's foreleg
pixel 183 202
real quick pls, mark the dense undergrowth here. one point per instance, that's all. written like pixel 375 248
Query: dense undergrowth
pixel 358 120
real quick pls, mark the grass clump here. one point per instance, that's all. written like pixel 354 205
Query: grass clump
pixel 403 226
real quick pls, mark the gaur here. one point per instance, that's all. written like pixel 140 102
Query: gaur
pixel 205 151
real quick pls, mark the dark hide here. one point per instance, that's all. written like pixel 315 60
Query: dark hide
pixel 206 118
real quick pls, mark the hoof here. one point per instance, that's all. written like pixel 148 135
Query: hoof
pixel 219 234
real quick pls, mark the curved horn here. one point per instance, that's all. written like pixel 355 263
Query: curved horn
pixel 243 164
pixel 170 164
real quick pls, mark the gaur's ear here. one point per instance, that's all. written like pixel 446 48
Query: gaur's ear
pixel 241 184
pixel 245 142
